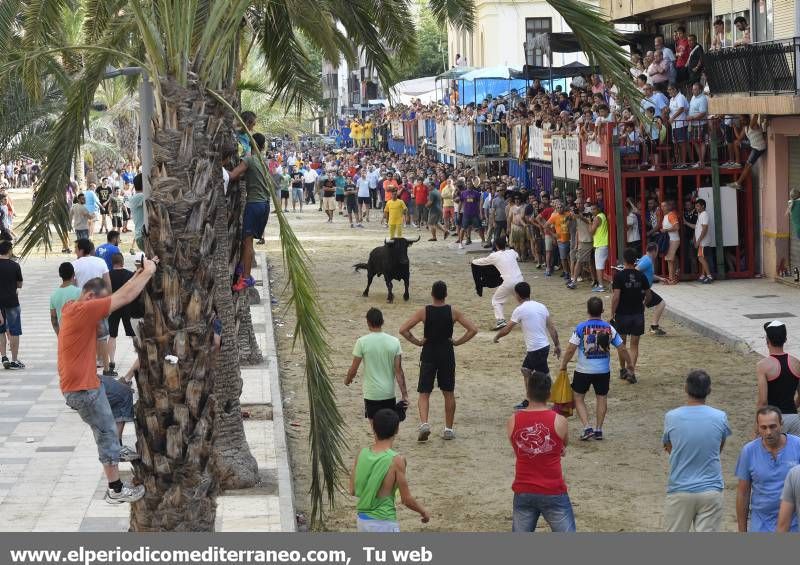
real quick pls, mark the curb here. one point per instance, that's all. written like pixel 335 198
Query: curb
pixel 708 330
pixel 285 487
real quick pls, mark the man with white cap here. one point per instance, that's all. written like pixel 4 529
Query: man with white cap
pixel 779 378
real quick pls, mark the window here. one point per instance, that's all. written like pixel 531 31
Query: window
pixel 732 35
pixel 534 27
pixel 761 25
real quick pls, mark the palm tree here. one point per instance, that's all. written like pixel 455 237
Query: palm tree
pixel 192 50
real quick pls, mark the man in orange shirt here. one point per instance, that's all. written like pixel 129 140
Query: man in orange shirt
pixel 82 389
pixel 558 221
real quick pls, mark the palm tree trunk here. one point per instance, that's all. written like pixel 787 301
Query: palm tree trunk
pixel 78 165
pixel 234 465
pixel 176 411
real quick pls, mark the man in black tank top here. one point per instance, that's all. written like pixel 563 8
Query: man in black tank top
pixel 779 378
pixel 437 361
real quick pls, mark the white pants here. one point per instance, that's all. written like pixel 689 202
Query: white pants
pixel 376 526
pixel 699 510
pixel 501 296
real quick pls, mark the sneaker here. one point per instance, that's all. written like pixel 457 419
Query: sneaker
pixel 110 373
pixel 424 432
pixel 240 285
pixel 696 166
pixel 701 279
pixel 579 279
pixel 571 285
pixel 706 280
pixel 14 365
pixel 469 241
pixel 599 288
pixel 127 454
pixel 548 273
pixel 522 405
pixel 6 362
pixel 359 225
pixel 735 185
pixel 565 275
pixel 652 168
pixel 623 374
pixel 539 265
pixel 631 377
pixel 448 434
pixel 598 434
pixel 129 493
pixel 352 226
pixel 461 246
pixel 500 325
pixel 736 165
pixel 588 433
pixel 656 330
pixel 487 246
pixel 261 241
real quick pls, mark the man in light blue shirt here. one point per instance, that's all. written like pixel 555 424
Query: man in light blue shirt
pixel 645 265
pixel 762 468
pixel 694 436
pixel 698 123
pixel 592 340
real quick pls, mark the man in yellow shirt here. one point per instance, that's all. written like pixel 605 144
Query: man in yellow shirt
pixel 395 211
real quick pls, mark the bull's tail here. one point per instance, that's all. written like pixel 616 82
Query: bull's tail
pixel 358 266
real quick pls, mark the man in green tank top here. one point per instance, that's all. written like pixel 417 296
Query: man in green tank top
pixel 378 474
pixel 599 230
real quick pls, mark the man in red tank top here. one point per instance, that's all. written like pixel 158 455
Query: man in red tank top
pixel 539 437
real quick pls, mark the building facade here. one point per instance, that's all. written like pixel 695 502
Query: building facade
pixel 761 78
pixel 502 27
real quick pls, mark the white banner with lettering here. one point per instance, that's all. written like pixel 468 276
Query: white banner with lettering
pixel 397 129
pixel 566 157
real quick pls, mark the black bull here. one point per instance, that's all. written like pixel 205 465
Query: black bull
pixel 389 261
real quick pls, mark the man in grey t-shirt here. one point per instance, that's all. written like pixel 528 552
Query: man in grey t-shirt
pixel 500 217
pixel 790 500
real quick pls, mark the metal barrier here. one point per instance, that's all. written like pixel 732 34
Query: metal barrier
pixel 768 67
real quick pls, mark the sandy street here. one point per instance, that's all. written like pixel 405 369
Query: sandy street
pixel 615 485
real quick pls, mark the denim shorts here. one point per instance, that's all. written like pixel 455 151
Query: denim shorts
pixel 563 250
pixel 81 234
pixel 12 320
pixel 95 410
pixel 120 398
pixel 555 508
pixel 470 222
pixel 102 329
pixel 255 219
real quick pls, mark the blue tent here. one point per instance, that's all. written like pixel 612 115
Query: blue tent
pixel 477 84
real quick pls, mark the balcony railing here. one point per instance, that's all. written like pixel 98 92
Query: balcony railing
pixel 769 67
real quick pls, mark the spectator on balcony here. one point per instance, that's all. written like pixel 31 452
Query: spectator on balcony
pixel 677 118
pixel 758 146
pixel 681 52
pixel 654 133
pixel 636 68
pixel 732 134
pixel 669 56
pixel 658 71
pixel 741 24
pixel 640 82
pixel 698 123
pixel 719 41
pixel 654 99
pixel 694 65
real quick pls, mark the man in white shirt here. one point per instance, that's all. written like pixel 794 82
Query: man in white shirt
pixel 704 239
pixel 534 318
pixel 654 98
pixel 505 261
pixel 669 58
pixel 309 181
pixel 364 200
pixel 87 267
pixel 678 112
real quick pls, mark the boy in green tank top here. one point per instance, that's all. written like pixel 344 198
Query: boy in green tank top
pixel 378 474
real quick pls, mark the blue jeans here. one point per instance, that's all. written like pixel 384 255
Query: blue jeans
pixel 556 509
pixel 120 399
pixel 95 410
pixel 12 322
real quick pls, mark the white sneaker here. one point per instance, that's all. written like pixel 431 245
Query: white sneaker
pixel 500 325
pixel 461 246
pixel 424 432
pixel 129 493
pixel 126 454
pixel 448 434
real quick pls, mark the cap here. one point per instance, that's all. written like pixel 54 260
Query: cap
pixel 776 332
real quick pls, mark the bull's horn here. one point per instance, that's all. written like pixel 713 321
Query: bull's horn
pixel 385 241
pixel 416 240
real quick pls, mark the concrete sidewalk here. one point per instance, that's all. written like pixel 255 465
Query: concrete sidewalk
pixel 50 479
pixel 734 312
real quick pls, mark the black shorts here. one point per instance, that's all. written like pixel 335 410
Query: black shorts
pixel 340 198
pixel 371 407
pixel 441 370
pixel 364 200
pixel 629 324
pixel 285 194
pixel 655 300
pixel 600 382
pixel 537 360
pixel 116 221
pixel 352 206
pixel 113 324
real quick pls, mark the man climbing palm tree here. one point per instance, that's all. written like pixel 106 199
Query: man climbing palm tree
pixel 256 210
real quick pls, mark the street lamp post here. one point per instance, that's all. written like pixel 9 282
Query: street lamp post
pixel 146 101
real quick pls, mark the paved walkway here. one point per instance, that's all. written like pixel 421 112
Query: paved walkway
pixel 50 479
pixel 734 311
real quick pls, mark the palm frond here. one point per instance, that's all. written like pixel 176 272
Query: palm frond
pixel 9 23
pixel 601 43
pixel 43 26
pixel 326 435
pixel 458 13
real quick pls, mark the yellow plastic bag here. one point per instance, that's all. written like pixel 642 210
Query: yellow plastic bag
pixel 561 395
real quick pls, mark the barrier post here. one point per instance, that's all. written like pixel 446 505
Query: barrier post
pixel 619 205
pixel 717 193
